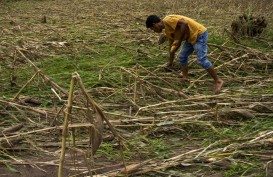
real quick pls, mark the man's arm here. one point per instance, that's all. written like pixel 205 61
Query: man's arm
pixel 183 27
pixel 171 58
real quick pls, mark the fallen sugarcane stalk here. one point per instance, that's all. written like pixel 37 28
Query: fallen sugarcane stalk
pixel 157 87
pixel 182 107
pixel 5 143
pixel 264 157
pixel 36 110
pixel 262 136
pixel 78 125
pixel 37 70
pixel 27 83
pixel 119 115
pixel 254 51
pixel 181 112
pixel 97 170
pixel 127 116
pixel 159 78
pixel 171 162
pixel 17 106
pixel 234 149
pixel 178 101
pixel 130 168
pixel 33 144
pixel 13 128
pixel 221 47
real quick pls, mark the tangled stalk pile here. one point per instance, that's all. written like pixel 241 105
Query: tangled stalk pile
pixel 248 25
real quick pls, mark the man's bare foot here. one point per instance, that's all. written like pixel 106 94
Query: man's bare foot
pixel 167 69
pixel 183 78
pixel 217 86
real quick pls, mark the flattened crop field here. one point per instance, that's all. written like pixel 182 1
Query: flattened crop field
pixel 84 90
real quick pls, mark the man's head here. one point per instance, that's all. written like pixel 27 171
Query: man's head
pixel 154 23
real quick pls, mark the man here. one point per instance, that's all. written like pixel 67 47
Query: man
pixel 180 28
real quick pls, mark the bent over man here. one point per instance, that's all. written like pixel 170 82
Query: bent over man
pixel 179 28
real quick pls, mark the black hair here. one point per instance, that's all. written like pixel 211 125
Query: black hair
pixel 151 20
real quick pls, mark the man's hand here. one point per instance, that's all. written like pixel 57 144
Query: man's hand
pixel 175 46
pixel 173 49
pixel 169 64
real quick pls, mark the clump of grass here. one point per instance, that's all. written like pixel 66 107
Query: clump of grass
pixel 107 150
pixel 244 169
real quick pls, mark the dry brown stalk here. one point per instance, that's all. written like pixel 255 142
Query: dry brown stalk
pixel 236 145
pixel 39 148
pixel 187 117
pixel 6 143
pixel 18 160
pixel 90 152
pixel 130 168
pixel 205 149
pixel 110 113
pixel 29 132
pixel 261 136
pixel 78 125
pixel 184 107
pixel 57 115
pixel 31 109
pixel 13 128
pixel 135 125
pixel 137 120
pixel 180 100
pixel 222 47
pixel 171 162
pixel 105 168
pixel 159 78
pixel 56 94
pixel 67 112
pixel 127 116
pixel 26 84
pixel 181 112
pixel 135 85
pixel 37 70
pixel 264 157
pixel 180 93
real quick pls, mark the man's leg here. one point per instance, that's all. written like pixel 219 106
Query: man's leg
pixel 218 82
pixel 183 58
pixel 202 59
pixel 185 71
